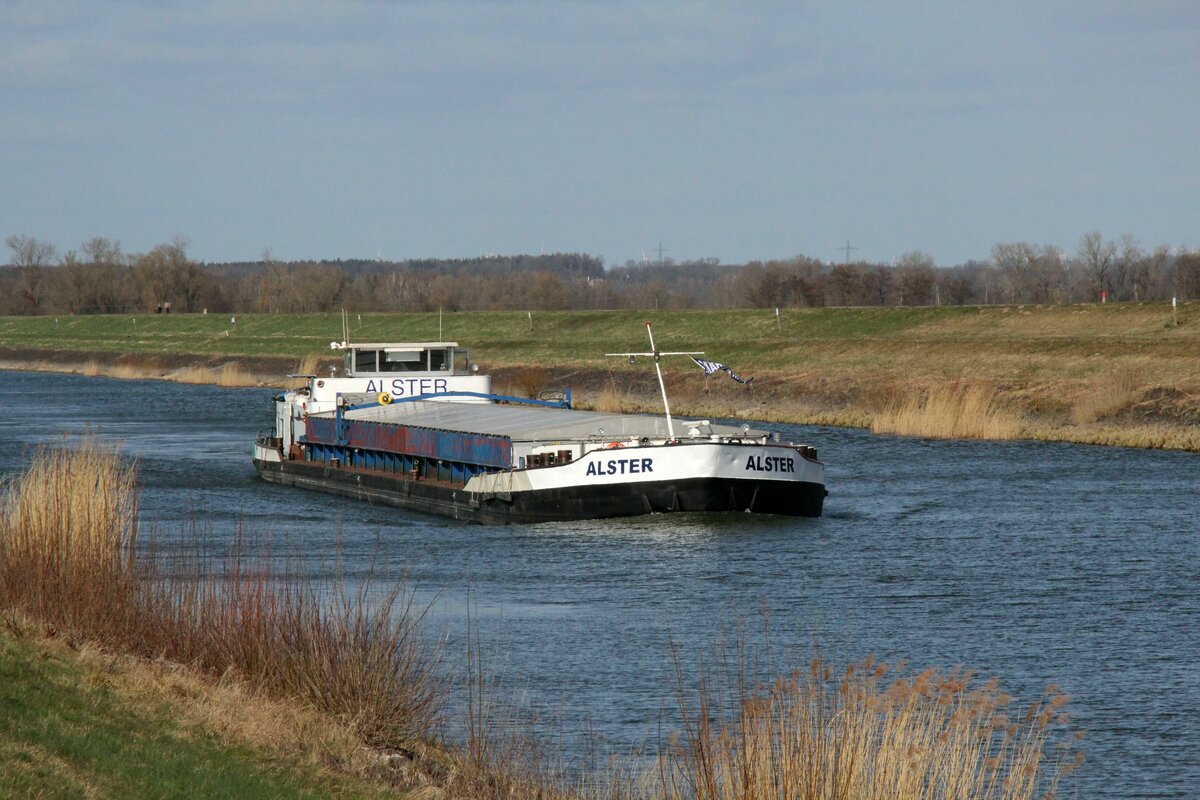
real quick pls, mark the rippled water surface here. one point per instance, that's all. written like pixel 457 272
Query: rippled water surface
pixel 1035 563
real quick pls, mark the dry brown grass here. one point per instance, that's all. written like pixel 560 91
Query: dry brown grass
pixel 233 374
pixel 612 399
pixel 1109 394
pixel 950 411
pixel 68 527
pixel 1142 435
pixel 530 381
pixel 194 374
pixel 308 365
pixel 861 736
pixel 70 560
pixel 230 374
pixel 132 372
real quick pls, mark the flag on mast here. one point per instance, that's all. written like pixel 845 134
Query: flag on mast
pixel 710 367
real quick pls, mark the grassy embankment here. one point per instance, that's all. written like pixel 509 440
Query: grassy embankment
pixel 291 690
pixel 77 721
pixel 1124 374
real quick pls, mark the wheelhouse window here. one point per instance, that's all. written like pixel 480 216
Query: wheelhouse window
pixel 365 361
pixel 462 362
pixel 401 361
pixel 440 359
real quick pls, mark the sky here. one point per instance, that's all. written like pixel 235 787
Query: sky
pixel 738 131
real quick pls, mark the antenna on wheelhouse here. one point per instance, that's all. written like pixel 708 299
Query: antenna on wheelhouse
pixel 657 355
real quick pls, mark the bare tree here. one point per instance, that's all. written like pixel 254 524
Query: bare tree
pixel 845 285
pixel 958 289
pixel 166 275
pixel 914 278
pixel 1047 275
pixel 93 281
pixel 31 257
pixel 1013 260
pixel 1098 259
pixel 877 283
pixel 69 284
pixel 272 284
pixel 765 285
pixel 1186 275
pixel 1149 274
pixel 1129 257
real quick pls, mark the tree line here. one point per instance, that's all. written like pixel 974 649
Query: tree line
pixel 100 278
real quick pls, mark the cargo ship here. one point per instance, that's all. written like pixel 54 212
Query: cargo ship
pixel 415 425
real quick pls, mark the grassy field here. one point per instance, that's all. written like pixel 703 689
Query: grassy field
pixel 751 338
pixel 81 724
pixel 1110 374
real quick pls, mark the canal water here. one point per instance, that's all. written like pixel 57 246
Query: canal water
pixel 1034 563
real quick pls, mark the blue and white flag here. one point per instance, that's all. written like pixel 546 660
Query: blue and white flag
pixel 710 367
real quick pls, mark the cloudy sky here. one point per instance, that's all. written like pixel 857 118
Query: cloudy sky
pixel 728 130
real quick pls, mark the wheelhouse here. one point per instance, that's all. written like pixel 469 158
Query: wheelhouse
pixel 440 358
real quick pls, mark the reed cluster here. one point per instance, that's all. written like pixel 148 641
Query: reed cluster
pixel 68 528
pixel 529 381
pixel 125 367
pixel 810 736
pixel 868 733
pixel 612 399
pixel 70 559
pixel 1108 395
pixel 230 374
pixel 956 410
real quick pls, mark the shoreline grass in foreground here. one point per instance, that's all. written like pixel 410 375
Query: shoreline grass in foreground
pixel 71 727
pixel 71 569
pixel 69 557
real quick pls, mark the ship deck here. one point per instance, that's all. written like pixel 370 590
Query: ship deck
pixel 536 424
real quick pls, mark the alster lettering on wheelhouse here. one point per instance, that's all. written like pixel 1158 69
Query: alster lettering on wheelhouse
pixel 620 466
pixel 770 464
pixel 407 387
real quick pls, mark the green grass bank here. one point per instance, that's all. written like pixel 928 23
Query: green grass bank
pixel 77 723
pixel 1124 374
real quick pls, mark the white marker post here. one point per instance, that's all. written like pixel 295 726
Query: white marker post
pixel 661 384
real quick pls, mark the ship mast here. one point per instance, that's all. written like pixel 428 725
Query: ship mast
pixel 657 355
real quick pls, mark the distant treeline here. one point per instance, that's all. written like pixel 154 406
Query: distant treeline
pixel 100 278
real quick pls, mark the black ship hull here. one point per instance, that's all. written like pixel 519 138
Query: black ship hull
pixel 619 499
